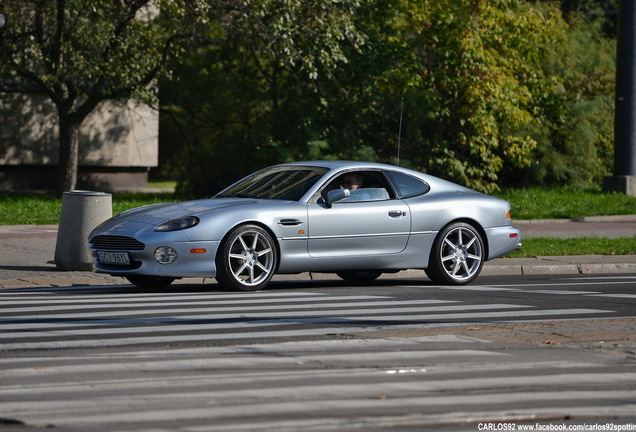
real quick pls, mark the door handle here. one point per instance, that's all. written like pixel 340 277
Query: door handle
pixel 396 213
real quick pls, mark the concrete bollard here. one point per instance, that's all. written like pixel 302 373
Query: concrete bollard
pixel 81 212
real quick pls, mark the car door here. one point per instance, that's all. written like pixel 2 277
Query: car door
pixel 351 228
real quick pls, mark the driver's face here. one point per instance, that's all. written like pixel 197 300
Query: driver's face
pixel 352 181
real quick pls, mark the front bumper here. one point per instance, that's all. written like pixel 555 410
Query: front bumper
pixel 194 259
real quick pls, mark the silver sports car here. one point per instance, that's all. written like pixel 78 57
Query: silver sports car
pixel 355 219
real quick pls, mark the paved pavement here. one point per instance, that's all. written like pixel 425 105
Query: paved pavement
pixel 27 251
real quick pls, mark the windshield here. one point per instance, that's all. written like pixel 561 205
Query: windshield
pixel 283 183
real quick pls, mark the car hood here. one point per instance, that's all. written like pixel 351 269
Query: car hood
pixel 156 214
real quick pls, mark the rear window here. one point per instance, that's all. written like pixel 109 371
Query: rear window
pixel 406 185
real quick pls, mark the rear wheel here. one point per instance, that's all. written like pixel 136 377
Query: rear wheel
pixel 150 281
pixel 247 259
pixel 359 276
pixel 457 255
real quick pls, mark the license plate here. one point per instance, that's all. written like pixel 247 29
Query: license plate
pixel 113 258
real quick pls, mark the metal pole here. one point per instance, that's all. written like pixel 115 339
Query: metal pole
pixel 624 178
pixel 625 102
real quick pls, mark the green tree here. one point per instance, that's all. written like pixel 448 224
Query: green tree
pixel 82 52
pixel 249 95
pixel 473 62
pixel 495 92
pixel 575 107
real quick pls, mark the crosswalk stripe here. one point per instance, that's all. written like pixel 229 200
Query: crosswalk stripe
pixel 214 308
pixel 52 329
pixel 95 343
pixel 111 342
pixel 235 362
pixel 252 313
pixel 545 284
pixel 282 298
pixel 275 390
pixel 518 289
pixel 141 319
pixel 412 419
pixel 125 320
pixel 269 384
pixel 125 291
pixel 126 410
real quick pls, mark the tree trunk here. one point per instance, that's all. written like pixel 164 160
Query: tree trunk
pixel 68 153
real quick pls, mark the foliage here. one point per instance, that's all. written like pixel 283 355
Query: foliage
pixel 486 93
pixel 82 52
pixel 502 92
pixel 575 128
pixel 471 74
pixel 248 95
pixel 76 50
pixel 514 93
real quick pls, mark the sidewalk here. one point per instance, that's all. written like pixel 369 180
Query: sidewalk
pixel 27 251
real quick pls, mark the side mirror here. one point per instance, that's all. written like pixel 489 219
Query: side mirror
pixel 337 195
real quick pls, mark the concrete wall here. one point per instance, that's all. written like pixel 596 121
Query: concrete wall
pixel 118 144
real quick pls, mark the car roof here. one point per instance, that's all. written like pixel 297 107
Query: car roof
pixel 345 165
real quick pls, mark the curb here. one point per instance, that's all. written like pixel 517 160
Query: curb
pixel 74 279
pixel 610 218
pixel 562 269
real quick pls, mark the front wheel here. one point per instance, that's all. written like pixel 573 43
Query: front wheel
pixel 247 259
pixel 457 255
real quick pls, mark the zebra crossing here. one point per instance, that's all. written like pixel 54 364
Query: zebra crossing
pixel 115 359
pixel 310 386
pixel 87 317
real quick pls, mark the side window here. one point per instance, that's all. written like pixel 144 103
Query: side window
pixel 364 186
pixel 406 185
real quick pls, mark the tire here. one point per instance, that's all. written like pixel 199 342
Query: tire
pixel 359 276
pixel 457 256
pixel 150 281
pixel 247 259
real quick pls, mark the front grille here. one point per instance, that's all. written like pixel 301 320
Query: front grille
pixel 109 242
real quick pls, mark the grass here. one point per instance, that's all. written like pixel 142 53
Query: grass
pixel 531 203
pixel 565 203
pixel 533 247
pixel 45 210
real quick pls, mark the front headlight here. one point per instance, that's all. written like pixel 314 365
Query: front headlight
pixel 178 224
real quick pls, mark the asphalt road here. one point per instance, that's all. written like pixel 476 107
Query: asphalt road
pixel 546 343
pixel 595 226
pixel 403 355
